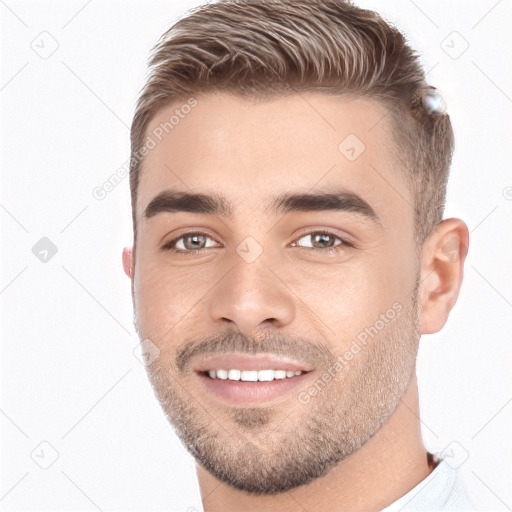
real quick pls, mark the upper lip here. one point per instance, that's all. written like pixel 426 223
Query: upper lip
pixel 249 362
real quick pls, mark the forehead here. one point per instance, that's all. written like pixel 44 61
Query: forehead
pixel 250 151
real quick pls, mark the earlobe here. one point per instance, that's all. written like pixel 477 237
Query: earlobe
pixel 442 269
pixel 127 262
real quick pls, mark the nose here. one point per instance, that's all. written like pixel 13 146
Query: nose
pixel 252 296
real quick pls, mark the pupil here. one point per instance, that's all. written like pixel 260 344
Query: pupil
pixel 323 237
pixel 198 241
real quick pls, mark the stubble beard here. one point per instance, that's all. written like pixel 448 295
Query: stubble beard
pixel 262 451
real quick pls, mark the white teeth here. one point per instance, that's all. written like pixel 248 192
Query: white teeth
pixel 234 374
pixel 222 374
pixel 249 376
pixel 266 375
pixel 252 375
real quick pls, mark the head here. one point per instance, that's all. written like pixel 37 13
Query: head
pixel 288 191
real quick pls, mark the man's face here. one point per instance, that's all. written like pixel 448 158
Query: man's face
pixel 329 288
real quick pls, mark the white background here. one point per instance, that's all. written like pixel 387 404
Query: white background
pixel 69 376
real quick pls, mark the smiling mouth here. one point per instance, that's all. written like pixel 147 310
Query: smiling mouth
pixel 238 379
pixel 252 375
pixel 235 387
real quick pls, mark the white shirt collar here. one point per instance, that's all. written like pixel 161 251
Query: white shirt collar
pixel 441 490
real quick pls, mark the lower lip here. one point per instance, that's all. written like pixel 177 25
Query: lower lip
pixel 236 392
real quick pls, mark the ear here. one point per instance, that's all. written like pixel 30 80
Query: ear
pixel 127 262
pixel 442 266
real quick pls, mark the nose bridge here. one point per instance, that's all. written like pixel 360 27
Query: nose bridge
pixel 251 294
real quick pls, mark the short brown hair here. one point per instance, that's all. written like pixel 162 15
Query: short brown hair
pixel 267 48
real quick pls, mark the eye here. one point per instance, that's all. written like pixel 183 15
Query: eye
pixel 189 243
pixel 324 241
pixel 196 242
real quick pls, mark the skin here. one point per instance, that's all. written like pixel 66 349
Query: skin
pixel 249 152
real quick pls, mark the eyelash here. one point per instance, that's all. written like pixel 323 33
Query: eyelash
pixel 169 246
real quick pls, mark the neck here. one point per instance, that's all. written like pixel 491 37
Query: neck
pixel 388 466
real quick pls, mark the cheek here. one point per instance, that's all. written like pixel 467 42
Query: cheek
pixel 168 298
pixel 350 298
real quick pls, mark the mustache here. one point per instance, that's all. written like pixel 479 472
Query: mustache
pixel 316 354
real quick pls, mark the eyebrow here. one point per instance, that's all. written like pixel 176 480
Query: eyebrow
pixel 323 201
pixel 173 202
pixel 342 200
